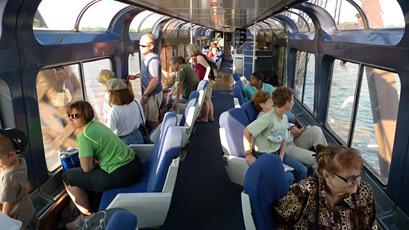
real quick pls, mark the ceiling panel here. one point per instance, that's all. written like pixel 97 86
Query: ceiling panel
pixel 224 15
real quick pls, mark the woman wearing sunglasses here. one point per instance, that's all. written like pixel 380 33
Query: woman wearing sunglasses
pixel 337 199
pixel 106 161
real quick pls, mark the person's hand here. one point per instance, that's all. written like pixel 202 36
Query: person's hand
pixel 174 105
pixel 133 77
pixel 295 132
pixel 145 99
pixel 96 161
pixel 250 159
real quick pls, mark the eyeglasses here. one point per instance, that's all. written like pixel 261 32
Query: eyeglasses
pixel 73 116
pixel 350 179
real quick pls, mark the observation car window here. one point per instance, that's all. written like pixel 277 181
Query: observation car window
pixel 58 15
pixel 302 24
pixel 282 64
pixel 374 132
pixel 6 112
pixel 181 50
pixel 56 88
pixel 383 13
pixel 166 55
pixel 95 91
pixel 99 16
pixel 308 98
pixel 134 66
pixel 341 97
pixel 138 19
pixel 148 24
pixel 304 78
pixel 307 21
pixel 345 15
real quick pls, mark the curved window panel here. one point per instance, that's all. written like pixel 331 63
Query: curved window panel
pixel 299 21
pixel 383 13
pixel 148 24
pixel 134 67
pixel 95 91
pixel 56 88
pixel 309 26
pixel 184 31
pixel 99 16
pixel 341 98
pixel 6 112
pixel 308 99
pixel 299 78
pixel 171 25
pixel 138 19
pixel 58 15
pixel 375 125
pixel 345 15
pixel 282 66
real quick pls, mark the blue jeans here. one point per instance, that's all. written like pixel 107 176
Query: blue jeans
pixel 299 172
pixel 134 137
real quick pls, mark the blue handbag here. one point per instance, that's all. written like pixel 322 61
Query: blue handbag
pixel 69 159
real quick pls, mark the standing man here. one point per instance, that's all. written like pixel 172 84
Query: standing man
pixel 151 77
pixel 256 84
pixel 187 80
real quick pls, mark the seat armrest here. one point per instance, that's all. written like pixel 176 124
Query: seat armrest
pixel 142 150
pixel 151 209
pixel 236 168
pixel 246 208
pixel 236 102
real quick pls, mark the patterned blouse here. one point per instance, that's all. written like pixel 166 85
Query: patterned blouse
pixel 297 208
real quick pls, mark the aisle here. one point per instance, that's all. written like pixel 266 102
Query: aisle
pixel 204 197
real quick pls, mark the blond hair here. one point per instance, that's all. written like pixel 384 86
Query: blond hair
pixel 194 48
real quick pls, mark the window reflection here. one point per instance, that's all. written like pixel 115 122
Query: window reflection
pixel 343 87
pixel 308 98
pixel 299 77
pixel 134 65
pixel 56 88
pixel 375 126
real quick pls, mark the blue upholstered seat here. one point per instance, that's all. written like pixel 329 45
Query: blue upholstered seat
pixel 192 101
pixel 202 85
pixel 264 184
pixel 251 112
pixel 236 76
pixel 150 198
pixel 238 92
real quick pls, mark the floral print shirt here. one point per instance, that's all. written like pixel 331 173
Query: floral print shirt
pixel 297 208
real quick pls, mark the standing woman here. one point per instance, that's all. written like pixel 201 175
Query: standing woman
pixel 203 70
pixel 106 161
pixel 125 116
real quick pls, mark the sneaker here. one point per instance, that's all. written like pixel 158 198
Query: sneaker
pixel 77 223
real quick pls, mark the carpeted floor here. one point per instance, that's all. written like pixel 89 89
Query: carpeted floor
pixel 204 197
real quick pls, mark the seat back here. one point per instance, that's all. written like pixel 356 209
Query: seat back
pixel 123 220
pixel 264 183
pixel 188 115
pixel 291 117
pixel 169 150
pixel 233 122
pixel 202 85
pixel 238 92
pixel 236 76
pixel 251 112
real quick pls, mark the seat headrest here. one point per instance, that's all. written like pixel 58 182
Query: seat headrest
pixel 238 93
pixel 291 117
pixel 202 85
pixel 192 101
pixel 265 183
pixel 236 76
pixel 251 112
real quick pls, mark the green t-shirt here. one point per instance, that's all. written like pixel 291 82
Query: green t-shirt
pixel 189 78
pixel 99 141
pixel 268 132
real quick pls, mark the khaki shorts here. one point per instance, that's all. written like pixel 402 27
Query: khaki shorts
pixel 151 109
pixel 208 91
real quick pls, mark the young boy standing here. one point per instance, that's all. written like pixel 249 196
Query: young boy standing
pixel 14 200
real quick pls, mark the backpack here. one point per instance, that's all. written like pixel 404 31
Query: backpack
pixel 213 72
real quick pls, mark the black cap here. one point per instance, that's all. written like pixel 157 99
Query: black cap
pixel 19 138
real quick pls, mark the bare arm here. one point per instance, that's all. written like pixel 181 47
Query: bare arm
pixel 133 77
pixel 88 163
pixel 247 147
pixel 204 63
pixel 178 90
pixel 282 149
pixel 7 207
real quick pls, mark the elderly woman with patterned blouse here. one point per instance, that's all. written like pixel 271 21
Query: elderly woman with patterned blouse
pixel 337 199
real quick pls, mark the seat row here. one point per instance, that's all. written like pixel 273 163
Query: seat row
pixel 150 198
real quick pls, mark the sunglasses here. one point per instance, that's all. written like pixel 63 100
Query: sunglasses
pixel 143 46
pixel 350 179
pixel 73 116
